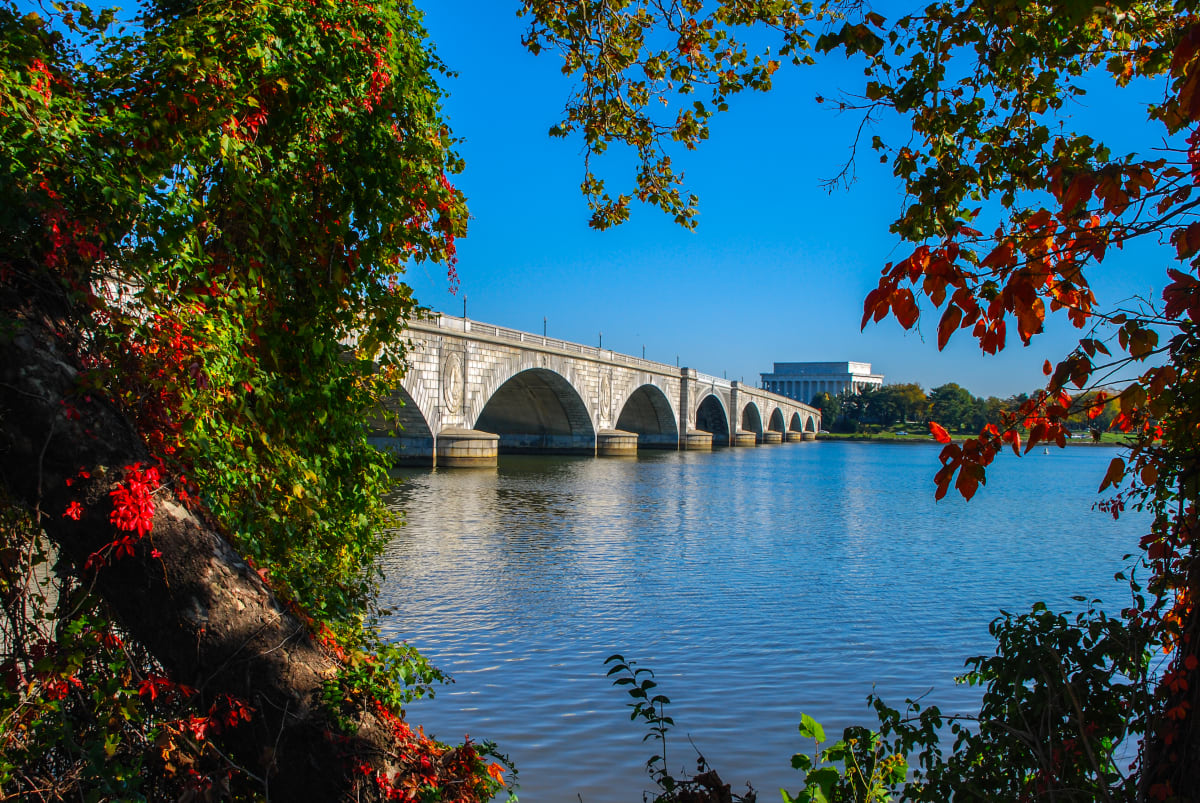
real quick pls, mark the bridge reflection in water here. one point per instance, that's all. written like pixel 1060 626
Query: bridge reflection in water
pixel 474 391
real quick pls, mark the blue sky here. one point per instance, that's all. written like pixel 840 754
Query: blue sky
pixel 777 269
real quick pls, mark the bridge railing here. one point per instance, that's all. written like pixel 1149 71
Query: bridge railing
pixel 713 381
pixel 779 397
pixel 441 320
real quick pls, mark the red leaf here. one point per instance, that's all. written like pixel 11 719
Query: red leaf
pixel 1187 240
pixel 872 303
pixel 969 477
pixel 1080 191
pixel 1181 295
pixel 1188 46
pixel 1037 433
pixel 938 432
pixel 904 307
pixel 1001 256
pixel 942 478
pixel 1116 470
pixel 950 320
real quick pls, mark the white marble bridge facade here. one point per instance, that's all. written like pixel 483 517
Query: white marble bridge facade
pixel 474 391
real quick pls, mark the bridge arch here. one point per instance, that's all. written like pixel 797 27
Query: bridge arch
pixel 538 410
pixel 402 430
pixel 711 417
pixel 810 425
pixel 776 423
pixel 752 421
pixel 649 412
pixel 796 424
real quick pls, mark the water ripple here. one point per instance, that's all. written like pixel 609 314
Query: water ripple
pixel 757 583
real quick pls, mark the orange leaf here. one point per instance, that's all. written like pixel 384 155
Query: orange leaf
pixel 938 432
pixel 1029 318
pixel 918 262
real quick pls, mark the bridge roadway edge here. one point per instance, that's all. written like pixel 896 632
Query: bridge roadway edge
pixel 540 394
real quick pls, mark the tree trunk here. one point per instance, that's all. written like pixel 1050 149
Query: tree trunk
pixel 194 603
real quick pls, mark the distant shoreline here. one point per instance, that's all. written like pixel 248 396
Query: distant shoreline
pixel 918 440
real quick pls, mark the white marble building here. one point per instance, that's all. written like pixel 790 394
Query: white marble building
pixel 804 380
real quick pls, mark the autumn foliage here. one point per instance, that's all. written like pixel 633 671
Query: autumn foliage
pixel 206 211
pixel 209 214
pixel 987 112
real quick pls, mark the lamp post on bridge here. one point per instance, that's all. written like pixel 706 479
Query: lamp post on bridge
pixel 464 306
pixel 543 326
pixel 601 340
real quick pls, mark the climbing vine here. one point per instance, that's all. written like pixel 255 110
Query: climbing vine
pixel 213 204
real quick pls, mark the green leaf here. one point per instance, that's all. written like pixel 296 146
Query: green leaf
pixel 811 729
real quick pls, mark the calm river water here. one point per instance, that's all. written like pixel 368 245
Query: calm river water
pixel 756 583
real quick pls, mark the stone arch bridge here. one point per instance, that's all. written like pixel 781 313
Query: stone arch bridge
pixel 474 390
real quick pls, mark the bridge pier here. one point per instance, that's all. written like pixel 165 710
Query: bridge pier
pixel 616 443
pixel 744 438
pixel 809 436
pixel 771 436
pixel 794 437
pixel 697 440
pixel 467 448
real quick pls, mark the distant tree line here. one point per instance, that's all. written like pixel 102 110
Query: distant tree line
pixel 951 405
